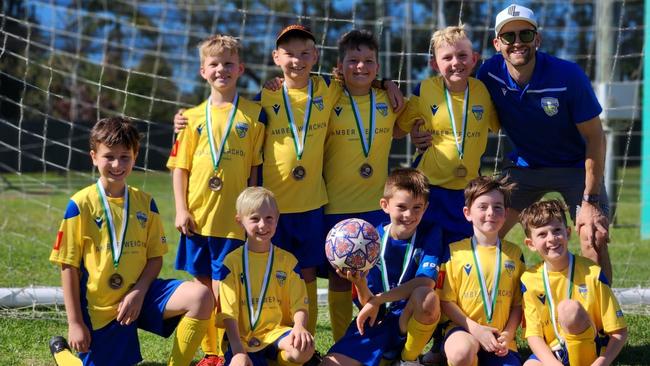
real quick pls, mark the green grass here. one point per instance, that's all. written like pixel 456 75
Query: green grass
pixel 31 208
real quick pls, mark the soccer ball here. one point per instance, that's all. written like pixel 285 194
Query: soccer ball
pixel 353 244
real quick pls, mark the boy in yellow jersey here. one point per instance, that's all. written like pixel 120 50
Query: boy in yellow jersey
pixel 480 293
pixel 110 247
pixel 358 142
pixel 263 299
pixel 570 312
pixel 212 162
pixel 399 306
pixel 457 112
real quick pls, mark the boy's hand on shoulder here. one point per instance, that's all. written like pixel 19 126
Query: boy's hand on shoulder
pixel 485 336
pixel 395 96
pixel 129 308
pixel 185 222
pixel 300 338
pixel 180 121
pixel 274 84
pixel 79 337
pixel 241 359
pixel 421 139
pixel 368 312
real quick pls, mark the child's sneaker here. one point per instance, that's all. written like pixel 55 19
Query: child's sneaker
pixel 61 352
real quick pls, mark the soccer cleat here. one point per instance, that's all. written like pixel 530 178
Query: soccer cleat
pixel 212 360
pixel 61 352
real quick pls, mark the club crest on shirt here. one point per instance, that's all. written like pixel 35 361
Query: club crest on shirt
pixel 550 105
pixel 281 276
pixel 541 298
pixel 510 266
pixel 276 108
pixel 98 221
pixel 468 268
pixel 199 129
pixel 382 108
pixel 142 218
pixel 434 109
pixel 241 128
pixel 338 110
pixel 582 290
pixel 477 110
pixel 318 101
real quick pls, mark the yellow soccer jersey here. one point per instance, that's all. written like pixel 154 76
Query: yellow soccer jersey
pixel 214 211
pixel 285 295
pixel 280 156
pixel 590 288
pixel 441 159
pixel 83 242
pixel 347 190
pixel 461 284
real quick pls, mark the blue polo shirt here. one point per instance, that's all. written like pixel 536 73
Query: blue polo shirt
pixel 540 119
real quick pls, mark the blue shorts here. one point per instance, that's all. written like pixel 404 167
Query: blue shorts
pixel 115 344
pixel 261 357
pixel 490 359
pixel 301 234
pixel 384 340
pixel 203 255
pixel 446 210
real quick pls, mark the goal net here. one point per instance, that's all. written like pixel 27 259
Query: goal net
pixel 66 63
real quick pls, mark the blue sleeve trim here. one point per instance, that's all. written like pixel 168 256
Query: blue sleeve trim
pixel 71 211
pixel 296 269
pixel 416 90
pixel 523 288
pixel 602 278
pixel 153 207
pixel 263 118
pixel 222 273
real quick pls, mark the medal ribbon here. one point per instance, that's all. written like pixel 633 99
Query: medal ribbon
pixel 460 146
pixel 216 155
pixel 298 141
pixel 366 144
pixel 405 262
pixel 549 295
pixel 254 314
pixel 116 245
pixel 488 298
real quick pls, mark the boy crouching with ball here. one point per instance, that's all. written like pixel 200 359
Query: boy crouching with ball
pixel 262 293
pixel 400 308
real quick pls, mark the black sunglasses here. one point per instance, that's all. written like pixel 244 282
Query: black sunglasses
pixel 525 36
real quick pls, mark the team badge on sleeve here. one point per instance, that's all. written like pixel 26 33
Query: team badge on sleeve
pixel 477 110
pixel 241 128
pixel 550 105
pixel 382 108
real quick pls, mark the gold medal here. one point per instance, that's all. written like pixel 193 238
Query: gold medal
pixel 460 171
pixel 254 342
pixel 115 281
pixel 365 171
pixel 215 183
pixel 298 172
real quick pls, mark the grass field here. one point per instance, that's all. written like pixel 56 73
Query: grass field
pixel 31 207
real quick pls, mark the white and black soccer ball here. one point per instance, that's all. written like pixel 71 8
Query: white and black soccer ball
pixel 353 244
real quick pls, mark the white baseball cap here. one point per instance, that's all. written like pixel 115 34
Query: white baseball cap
pixel 514 12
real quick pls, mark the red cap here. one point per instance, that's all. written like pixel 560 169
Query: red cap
pixel 295 28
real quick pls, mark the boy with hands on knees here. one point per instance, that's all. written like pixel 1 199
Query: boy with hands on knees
pixel 481 293
pixel 263 299
pixel 399 306
pixel 572 316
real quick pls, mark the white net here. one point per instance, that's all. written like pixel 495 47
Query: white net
pixel 66 63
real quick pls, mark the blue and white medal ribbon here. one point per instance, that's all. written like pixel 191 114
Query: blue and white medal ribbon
pixel 366 143
pixel 408 254
pixel 116 245
pixel 549 295
pixel 298 141
pixel 215 153
pixel 489 299
pixel 254 314
pixel 460 146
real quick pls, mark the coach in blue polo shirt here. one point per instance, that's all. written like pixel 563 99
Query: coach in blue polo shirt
pixel 549 111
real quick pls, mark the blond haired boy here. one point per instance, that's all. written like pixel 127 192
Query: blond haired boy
pixel 212 160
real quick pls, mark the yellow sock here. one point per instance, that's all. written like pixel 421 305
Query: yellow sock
pixel 417 336
pixel 189 333
pixel 209 343
pixel 220 333
pixel 67 358
pixel 340 308
pixel 283 358
pixel 581 347
pixel 313 307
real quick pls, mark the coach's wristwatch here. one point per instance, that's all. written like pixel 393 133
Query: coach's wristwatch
pixel 591 198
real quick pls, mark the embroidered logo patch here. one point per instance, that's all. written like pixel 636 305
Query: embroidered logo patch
pixel 382 108
pixel 477 111
pixel 276 108
pixel 281 276
pixel 142 218
pixel 338 110
pixel 550 106
pixel 241 128
pixel 434 109
pixel 318 101
pixel 467 268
